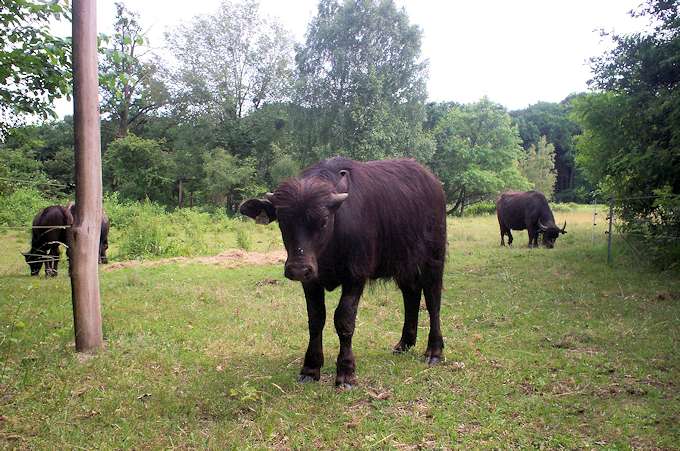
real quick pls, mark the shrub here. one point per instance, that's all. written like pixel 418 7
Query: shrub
pixel 480 208
pixel 19 207
pixel 243 239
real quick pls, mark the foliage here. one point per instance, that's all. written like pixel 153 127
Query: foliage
pixel 35 65
pixel 553 121
pixel 138 168
pixel 243 239
pixel 538 166
pixel 130 88
pixel 362 82
pixel 19 165
pixel 630 146
pixel 19 207
pixel 230 62
pixel 477 152
pixel 284 167
pixel 486 207
pixel 226 177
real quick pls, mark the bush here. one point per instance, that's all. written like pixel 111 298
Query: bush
pixel 146 229
pixel 18 208
pixel 480 208
pixel 243 239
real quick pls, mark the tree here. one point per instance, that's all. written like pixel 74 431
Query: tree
pixel 630 147
pixel 226 177
pixel 139 169
pixel 230 63
pixel 553 121
pixel 35 65
pixel 362 81
pixel 538 166
pixel 130 89
pixel 477 153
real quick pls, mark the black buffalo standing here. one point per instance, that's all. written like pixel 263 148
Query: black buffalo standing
pixel 345 222
pixel 49 231
pixel 527 210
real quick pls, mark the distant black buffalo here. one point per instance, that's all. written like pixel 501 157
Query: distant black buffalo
pixel 47 234
pixel 49 231
pixel 345 222
pixel 530 211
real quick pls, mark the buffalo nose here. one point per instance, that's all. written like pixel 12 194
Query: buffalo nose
pixel 298 272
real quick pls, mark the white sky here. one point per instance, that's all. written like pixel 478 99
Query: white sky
pixel 516 52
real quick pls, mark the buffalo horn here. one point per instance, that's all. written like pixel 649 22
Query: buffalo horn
pixel 541 226
pixel 336 199
pixel 269 197
pixel 564 227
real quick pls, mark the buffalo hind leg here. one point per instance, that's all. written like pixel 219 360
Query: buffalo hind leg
pixel 345 319
pixel 410 329
pixel 435 341
pixel 316 319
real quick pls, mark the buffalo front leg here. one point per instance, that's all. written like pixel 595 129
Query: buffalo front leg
pixel 316 319
pixel 410 330
pixel 533 236
pixel 345 319
pixel 435 341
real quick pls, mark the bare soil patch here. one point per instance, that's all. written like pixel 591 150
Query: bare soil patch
pixel 232 258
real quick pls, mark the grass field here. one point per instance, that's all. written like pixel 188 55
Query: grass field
pixel 544 348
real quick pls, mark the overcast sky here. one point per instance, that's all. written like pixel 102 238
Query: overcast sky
pixel 516 52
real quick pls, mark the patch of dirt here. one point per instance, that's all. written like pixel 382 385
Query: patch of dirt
pixel 232 258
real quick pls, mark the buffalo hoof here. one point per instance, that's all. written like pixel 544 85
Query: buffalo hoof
pixel 345 381
pixel 305 379
pixel 432 360
pixel 401 347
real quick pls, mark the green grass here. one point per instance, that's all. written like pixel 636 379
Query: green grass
pixel 544 348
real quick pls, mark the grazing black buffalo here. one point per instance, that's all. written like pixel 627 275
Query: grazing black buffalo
pixel 47 234
pixel 530 211
pixel 345 222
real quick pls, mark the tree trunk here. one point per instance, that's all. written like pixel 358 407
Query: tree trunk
pixel 86 227
pixel 180 192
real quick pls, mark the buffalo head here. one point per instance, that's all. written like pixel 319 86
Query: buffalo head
pixel 550 233
pixel 34 261
pixel 305 210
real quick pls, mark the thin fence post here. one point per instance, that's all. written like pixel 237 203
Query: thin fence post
pixel 609 232
pixel 592 233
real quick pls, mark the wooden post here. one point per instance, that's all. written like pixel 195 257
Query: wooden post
pixel 84 237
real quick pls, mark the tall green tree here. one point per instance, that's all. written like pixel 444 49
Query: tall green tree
pixel 631 142
pixel 478 151
pixel 538 166
pixel 227 178
pixel 362 81
pixel 139 169
pixel 130 88
pixel 630 147
pixel 230 63
pixel 35 65
pixel 553 121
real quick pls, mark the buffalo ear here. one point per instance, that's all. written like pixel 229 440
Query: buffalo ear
pixel 261 210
